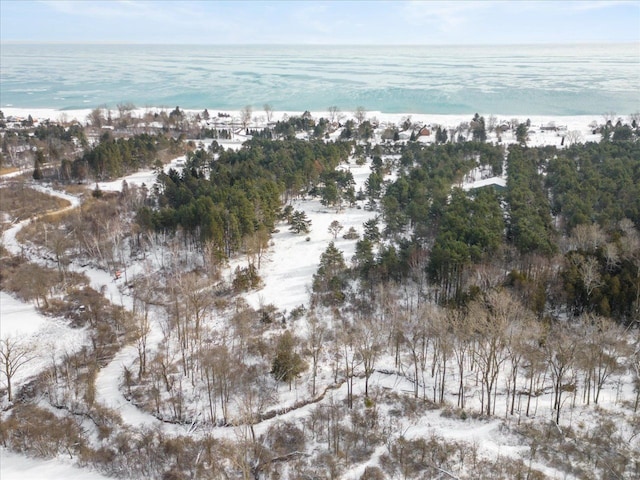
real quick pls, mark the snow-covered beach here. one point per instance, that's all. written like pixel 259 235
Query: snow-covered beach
pixel 543 129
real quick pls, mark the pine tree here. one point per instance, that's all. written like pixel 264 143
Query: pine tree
pixel 287 364
pixel 371 230
pixel 37 165
pixel 329 282
pixel 299 222
pixel 522 134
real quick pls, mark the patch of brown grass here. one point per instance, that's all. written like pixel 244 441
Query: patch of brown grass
pixel 6 170
pixel 76 189
pixel 90 219
pixel 20 202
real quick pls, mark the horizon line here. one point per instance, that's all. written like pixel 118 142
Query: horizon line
pixel 187 44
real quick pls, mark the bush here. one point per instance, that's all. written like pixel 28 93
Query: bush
pixel 351 234
pixel 37 432
pixel 297 312
pixel 285 438
pixel 246 278
pixel 373 473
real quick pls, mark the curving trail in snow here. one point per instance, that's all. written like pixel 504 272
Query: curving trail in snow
pixel 108 379
pixel 9 236
pixel 486 434
pixel 109 395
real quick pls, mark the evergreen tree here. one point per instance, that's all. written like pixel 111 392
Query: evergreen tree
pixel 330 195
pixel 478 129
pixel 522 134
pixel 363 258
pixel 287 364
pixel 329 282
pixel 371 230
pixel 299 222
pixel 37 165
pixel 441 135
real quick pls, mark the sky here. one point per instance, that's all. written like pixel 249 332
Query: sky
pixel 321 22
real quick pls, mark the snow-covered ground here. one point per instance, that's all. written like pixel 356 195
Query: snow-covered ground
pixel 287 272
pixel 18 318
pixel 291 262
pixel 48 337
pixel 21 321
pixel 147 177
pixel 18 467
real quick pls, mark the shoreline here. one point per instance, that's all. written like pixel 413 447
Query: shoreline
pixel 80 115
pixel 543 130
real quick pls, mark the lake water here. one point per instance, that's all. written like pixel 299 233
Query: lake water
pixel 519 80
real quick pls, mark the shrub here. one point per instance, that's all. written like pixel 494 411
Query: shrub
pixel 351 234
pixel 246 278
pixel 38 432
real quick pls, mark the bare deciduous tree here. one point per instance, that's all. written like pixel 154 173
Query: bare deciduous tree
pixel 197 291
pixel 492 122
pixel 144 296
pixel 334 228
pixel 352 360
pixel 522 333
pixel 268 110
pixel 561 346
pixel 124 113
pixel 415 338
pixel 462 328
pixel 572 137
pixel 245 115
pixel 369 337
pixel 604 344
pixel 333 113
pixel 96 117
pixel 256 245
pixel 316 339
pixel 590 272
pixel 491 319
pixel 587 237
pixel 14 354
pixel 611 255
pixel 438 328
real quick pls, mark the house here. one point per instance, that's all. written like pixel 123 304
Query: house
pixel 424 132
pixel 504 127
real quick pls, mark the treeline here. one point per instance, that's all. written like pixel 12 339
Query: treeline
pixel 53 130
pixel 113 158
pixel 455 244
pixel 530 227
pixel 417 198
pixel 223 203
pixel 595 183
pixel 471 230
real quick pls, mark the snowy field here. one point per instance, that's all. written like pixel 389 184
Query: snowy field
pixel 18 467
pixel 52 336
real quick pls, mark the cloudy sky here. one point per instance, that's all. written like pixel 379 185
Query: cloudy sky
pixel 321 22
